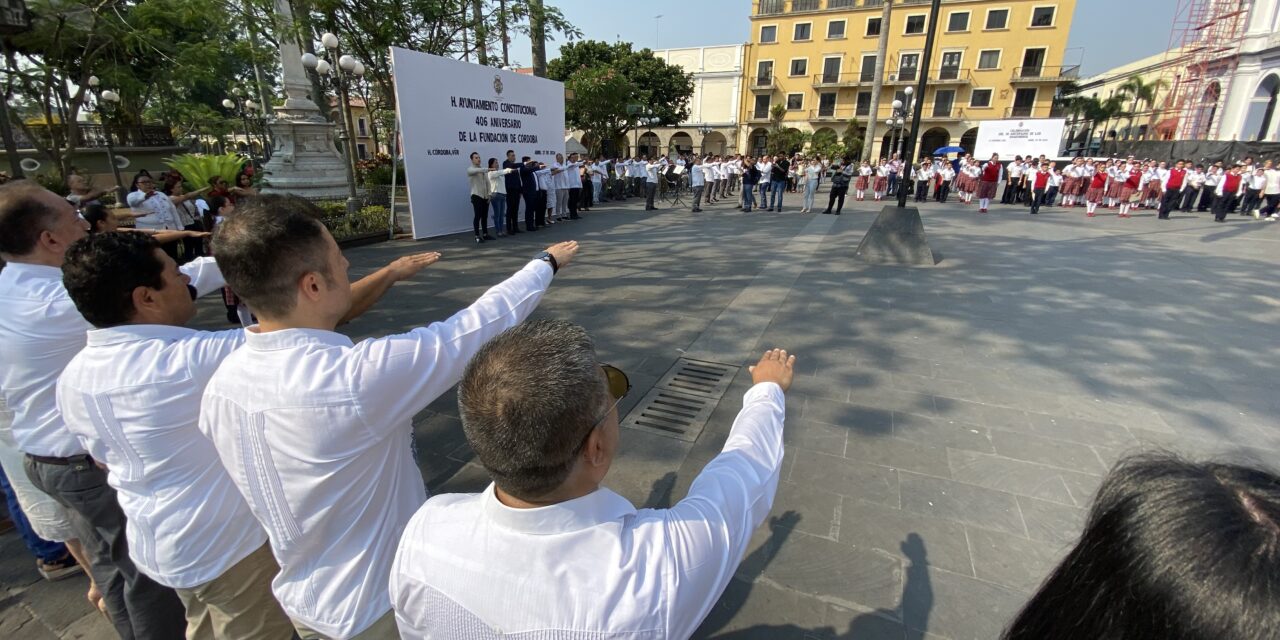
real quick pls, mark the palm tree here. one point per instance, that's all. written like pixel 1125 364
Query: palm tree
pixel 1109 109
pixel 1142 92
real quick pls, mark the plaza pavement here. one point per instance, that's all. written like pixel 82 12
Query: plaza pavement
pixel 947 426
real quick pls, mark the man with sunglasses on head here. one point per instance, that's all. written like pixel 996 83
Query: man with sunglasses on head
pixel 315 429
pixel 546 551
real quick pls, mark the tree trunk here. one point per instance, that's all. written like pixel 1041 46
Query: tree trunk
pixel 506 37
pixel 538 36
pixel 482 33
pixel 877 85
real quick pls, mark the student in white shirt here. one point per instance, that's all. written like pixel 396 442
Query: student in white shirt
pixel 41 332
pixel 573 183
pixel 546 551
pixel 132 397
pixel 1271 191
pixel 650 170
pixel 697 182
pixel 315 430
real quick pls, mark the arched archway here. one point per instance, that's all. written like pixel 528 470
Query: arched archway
pixel 886 146
pixel 714 143
pixel 759 142
pixel 969 140
pixel 1262 109
pixel 932 139
pixel 649 145
pixel 681 143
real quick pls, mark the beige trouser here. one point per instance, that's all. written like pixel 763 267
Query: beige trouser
pixel 238 604
pixel 383 628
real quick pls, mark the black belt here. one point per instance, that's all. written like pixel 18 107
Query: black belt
pixel 84 457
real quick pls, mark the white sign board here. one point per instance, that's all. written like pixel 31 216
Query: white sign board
pixel 449 109
pixel 1009 138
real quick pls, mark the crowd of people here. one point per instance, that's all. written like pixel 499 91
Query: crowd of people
pixel 261 482
pixel 751 183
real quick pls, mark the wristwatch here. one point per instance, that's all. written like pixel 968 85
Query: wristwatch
pixel 549 259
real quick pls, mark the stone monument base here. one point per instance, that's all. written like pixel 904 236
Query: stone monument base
pixel 897 237
pixel 305 161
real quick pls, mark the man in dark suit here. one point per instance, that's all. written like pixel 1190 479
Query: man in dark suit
pixel 514 187
pixel 529 189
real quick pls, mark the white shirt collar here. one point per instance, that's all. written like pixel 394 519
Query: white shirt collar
pixel 134 332
pixel 291 338
pixel 39 270
pixel 595 508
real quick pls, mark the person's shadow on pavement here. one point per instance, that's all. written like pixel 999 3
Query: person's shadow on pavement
pixel 909 620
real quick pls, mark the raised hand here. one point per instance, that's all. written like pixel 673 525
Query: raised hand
pixel 563 252
pixel 774 366
pixel 406 267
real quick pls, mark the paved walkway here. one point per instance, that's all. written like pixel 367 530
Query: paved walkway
pixel 949 425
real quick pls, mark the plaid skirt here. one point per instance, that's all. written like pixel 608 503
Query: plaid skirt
pixel 861 183
pixel 882 183
pixel 1126 192
pixel 1069 185
pixel 1095 194
pixel 986 189
pixel 1113 188
pixel 1152 191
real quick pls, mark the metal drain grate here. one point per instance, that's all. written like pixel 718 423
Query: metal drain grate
pixel 682 401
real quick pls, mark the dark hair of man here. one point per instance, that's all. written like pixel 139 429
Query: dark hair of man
pixel 269 244
pixel 101 271
pixel 95 214
pixel 23 216
pixel 1172 550
pixel 528 435
pixel 511 152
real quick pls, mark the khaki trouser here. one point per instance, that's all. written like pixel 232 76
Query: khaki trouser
pixel 238 604
pixel 383 628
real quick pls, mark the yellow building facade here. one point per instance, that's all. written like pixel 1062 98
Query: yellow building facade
pixel 992 59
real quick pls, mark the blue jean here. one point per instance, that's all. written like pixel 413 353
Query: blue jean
pixel 748 196
pixel 810 189
pixel 764 193
pixel 777 187
pixel 498 201
pixel 42 549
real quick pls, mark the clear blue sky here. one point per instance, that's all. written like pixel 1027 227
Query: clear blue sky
pixel 1104 33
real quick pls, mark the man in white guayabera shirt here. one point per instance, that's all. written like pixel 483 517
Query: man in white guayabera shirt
pixel 315 430
pixel 132 396
pixel 545 551
pixel 40 331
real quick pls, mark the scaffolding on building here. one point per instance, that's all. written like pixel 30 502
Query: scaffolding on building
pixel 1204 50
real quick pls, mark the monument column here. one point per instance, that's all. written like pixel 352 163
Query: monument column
pixel 304 160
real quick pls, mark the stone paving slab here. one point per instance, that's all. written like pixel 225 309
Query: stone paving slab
pixel 948 425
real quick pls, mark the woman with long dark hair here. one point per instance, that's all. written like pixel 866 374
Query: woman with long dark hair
pixel 477 176
pixel 1172 550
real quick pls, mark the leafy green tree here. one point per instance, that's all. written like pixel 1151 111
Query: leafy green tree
pixel 613 76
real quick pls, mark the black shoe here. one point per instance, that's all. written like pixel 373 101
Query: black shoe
pixel 487 237
pixel 827 212
pixel 531 229
pixel 479 240
pixel 575 217
pixel 513 232
pixel 837 213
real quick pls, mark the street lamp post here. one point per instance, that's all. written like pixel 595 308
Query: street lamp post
pixel 348 70
pixel 238 105
pixel 102 99
pixel 918 105
pixel 705 130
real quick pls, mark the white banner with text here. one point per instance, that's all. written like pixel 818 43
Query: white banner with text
pixel 1009 138
pixel 449 109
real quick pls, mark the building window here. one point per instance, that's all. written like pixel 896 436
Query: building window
pixel 799 67
pixel 764 72
pixel 826 105
pixel 980 98
pixel 362 127
pixel 761 110
pixel 835 30
pixel 864 104
pixel 361 153
pixel 830 70
pixel 795 101
pixel 943 99
pixel 958 21
pixel 989 59
pixel 908 67
pixel 1042 16
pixel 873 26
pixel 803 31
pixel 868 69
pixel 915 25
pixel 998 19
pixel 768 34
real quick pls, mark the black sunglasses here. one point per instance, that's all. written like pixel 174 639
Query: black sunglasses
pixel 619 387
